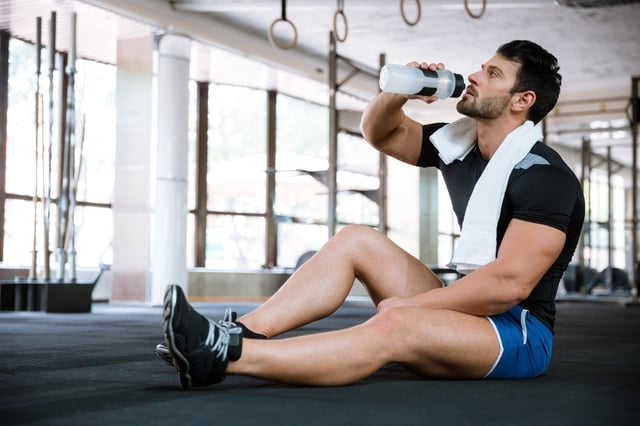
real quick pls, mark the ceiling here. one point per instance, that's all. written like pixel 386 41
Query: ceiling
pixel 598 48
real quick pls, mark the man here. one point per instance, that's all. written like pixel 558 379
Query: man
pixel 496 321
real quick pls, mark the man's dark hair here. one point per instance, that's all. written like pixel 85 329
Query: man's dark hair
pixel 538 73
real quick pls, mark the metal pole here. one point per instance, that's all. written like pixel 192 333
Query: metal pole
pixel 4 101
pixel 201 175
pixel 635 115
pixel 582 242
pixel 609 275
pixel 586 168
pixel 271 236
pixel 33 273
pixel 63 169
pixel 71 149
pixel 332 184
pixel 47 205
pixel 382 178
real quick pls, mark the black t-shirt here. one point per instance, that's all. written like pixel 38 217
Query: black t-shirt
pixel 541 189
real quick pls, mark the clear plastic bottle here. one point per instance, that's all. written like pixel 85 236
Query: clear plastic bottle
pixel 416 81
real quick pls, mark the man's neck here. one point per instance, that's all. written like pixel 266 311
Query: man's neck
pixel 491 133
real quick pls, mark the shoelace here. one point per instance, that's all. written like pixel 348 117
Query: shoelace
pixel 221 344
pixel 229 318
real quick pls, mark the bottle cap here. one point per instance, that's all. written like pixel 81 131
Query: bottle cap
pixel 460 85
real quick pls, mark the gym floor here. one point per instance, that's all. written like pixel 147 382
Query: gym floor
pixel 101 369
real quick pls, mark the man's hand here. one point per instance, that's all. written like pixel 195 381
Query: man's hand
pixel 386 127
pixel 392 302
pixel 425 66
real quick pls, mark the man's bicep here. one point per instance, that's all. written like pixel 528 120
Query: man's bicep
pixel 530 249
pixel 405 142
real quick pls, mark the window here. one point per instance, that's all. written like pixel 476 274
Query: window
pixel 302 163
pixel 448 228
pixel 21 133
pixel 235 242
pixel 236 178
pixel 95 151
pixel 21 157
pixel 358 181
pixel 237 150
pixel 601 224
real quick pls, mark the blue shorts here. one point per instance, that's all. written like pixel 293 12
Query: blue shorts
pixel 525 345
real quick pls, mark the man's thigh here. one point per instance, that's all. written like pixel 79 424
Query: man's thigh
pixel 447 344
pixel 387 270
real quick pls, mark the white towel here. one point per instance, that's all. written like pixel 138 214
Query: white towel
pixel 455 140
pixel 477 244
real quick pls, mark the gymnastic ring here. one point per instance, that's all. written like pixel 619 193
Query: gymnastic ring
pixel 404 17
pixel 273 40
pixel 335 26
pixel 484 8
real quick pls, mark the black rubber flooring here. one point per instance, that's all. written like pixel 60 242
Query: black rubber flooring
pixel 100 369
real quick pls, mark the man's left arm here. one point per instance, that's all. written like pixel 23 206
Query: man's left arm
pixel 527 251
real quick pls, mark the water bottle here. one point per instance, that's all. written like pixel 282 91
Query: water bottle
pixel 416 81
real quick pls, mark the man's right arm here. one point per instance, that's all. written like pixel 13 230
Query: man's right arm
pixel 386 127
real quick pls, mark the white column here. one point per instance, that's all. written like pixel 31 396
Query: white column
pixel 132 185
pixel 170 211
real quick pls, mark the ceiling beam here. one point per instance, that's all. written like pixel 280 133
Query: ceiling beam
pixel 236 6
pixel 210 31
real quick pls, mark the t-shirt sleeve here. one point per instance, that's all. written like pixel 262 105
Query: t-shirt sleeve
pixel 429 153
pixel 546 195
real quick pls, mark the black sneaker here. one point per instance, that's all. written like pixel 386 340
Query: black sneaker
pixel 162 351
pixel 199 347
pixel 228 320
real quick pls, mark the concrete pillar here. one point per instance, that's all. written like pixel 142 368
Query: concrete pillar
pixel 131 194
pixel 169 263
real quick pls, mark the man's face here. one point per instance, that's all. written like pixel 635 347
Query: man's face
pixel 488 95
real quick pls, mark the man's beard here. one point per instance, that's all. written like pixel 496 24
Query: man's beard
pixel 488 108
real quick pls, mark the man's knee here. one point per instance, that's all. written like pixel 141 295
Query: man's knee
pixel 393 320
pixel 353 230
pixel 359 235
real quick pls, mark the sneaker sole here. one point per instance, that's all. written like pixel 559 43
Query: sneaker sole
pixel 180 361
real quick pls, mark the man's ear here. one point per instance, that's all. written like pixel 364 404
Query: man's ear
pixel 523 100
